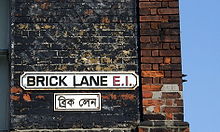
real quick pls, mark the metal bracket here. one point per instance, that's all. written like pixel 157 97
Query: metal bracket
pixel 3 51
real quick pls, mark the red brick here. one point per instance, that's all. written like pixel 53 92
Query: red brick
pixel 155 25
pixel 145 52
pixel 151 87
pixel 142 129
pixel 155 67
pixel 146 67
pixel 153 11
pixel 155 53
pixel 175 59
pixel 156 80
pixel 147 80
pixel 27 97
pixel 145 39
pixel 179 102
pixel 16 90
pixel 171 39
pixel 167 60
pixel 145 26
pixel 151 18
pixel 173 109
pixel 149 4
pixel 165 4
pixel 175 46
pixel 14 98
pixel 170 67
pixel 174 4
pixel 166 46
pixel 157 109
pixel 169 52
pixel 168 11
pixel 152 59
pixel 167 73
pixel 155 39
pixel 176 74
pixel 152 102
pixel 144 11
pixel 170 25
pixel 171 80
pixel 169 102
pixel 151 46
pixel 147 94
pixel 171 31
pixel 169 116
pixel 171 95
pixel 152 74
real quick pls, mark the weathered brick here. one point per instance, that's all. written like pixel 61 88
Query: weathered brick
pixel 151 18
pixel 171 67
pixel 155 52
pixel 173 109
pixel 151 87
pixel 149 4
pixel 152 74
pixel 167 60
pixel 169 53
pixel 147 80
pixel 145 52
pixel 179 102
pixel 147 102
pixel 168 11
pixel 169 116
pixel 168 95
pixel 171 39
pixel 147 94
pixel 145 39
pixel 175 59
pixel 171 80
pixel 176 74
pixel 146 67
pixel 156 80
pixel 173 4
pixel 171 31
pixel 152 59
pixel 151 46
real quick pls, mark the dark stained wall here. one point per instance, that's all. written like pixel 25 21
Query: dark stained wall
pixel 72 35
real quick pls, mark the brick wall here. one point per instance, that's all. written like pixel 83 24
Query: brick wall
pixel 161 71
pixel 72 35
pixel 99 35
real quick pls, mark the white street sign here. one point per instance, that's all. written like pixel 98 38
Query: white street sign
pixel 77 101
pixel 79 81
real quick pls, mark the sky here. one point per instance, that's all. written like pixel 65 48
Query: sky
pixel 200 36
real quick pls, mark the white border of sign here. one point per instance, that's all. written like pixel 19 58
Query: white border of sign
pixel 131 73
pixel 77 98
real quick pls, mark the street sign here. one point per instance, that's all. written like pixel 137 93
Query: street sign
pixel 77 101
pixel 79 81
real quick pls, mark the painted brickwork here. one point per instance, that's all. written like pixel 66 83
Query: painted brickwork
pixel 161 72
pixel 73 35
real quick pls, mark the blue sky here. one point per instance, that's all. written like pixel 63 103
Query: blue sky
pixel 200 35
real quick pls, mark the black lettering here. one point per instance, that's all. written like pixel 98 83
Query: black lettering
pixel 93 80
pixel 74 81
pixel 61 81
pixel 30 81
pixel 47 81
pixel 55 82
pixel 103 81
pixel 84 81
pixel 40 79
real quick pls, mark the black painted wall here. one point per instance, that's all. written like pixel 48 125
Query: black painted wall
pixel 72 35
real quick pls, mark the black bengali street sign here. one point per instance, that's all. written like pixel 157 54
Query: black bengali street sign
pixel 127 80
